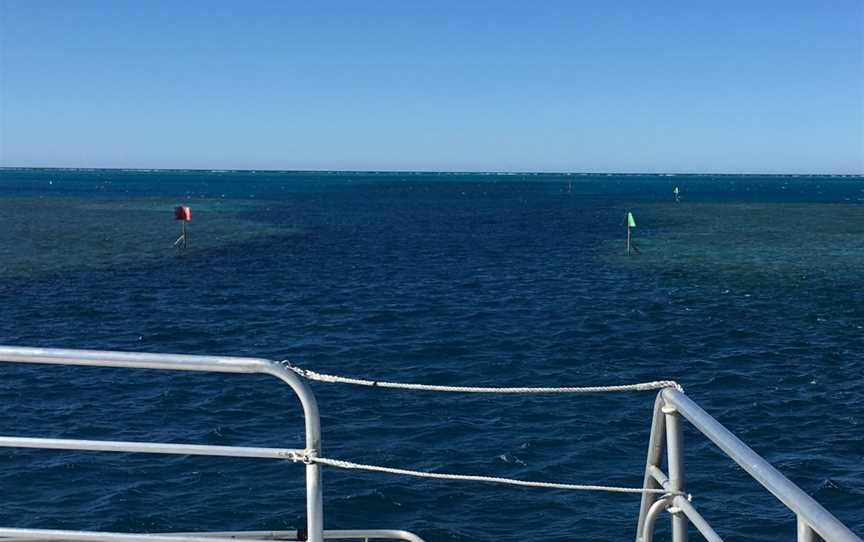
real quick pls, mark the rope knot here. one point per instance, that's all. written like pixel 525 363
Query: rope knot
pixel 291 367
pixel 307 457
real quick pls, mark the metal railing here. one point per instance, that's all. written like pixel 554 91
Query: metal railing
pixel 216 364
pixel 670 409
pixel 813 520
pixel 22 535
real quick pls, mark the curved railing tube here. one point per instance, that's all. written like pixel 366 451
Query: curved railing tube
pixel 213 364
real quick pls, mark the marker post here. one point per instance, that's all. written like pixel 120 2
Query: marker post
pixel 184 215
pixel 631 223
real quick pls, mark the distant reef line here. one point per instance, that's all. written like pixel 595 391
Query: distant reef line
pixel 420 172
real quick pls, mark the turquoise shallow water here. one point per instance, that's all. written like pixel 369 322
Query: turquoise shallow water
pixel 749 292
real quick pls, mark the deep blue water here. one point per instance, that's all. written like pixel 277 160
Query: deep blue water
pixel 750 292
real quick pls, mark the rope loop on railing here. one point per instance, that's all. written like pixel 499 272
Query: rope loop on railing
pixel 319 377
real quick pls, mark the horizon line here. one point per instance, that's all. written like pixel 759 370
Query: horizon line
pixel 427 172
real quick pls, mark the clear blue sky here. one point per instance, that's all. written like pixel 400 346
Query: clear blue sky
pixel 662 86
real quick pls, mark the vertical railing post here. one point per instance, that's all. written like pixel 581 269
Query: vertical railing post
pixel 805 533
pixel 675 460
pixel 653 459
pixel 312 421
pixel 314 502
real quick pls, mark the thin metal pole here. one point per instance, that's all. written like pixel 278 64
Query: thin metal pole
pixel 653 458
pixel 628 239
pixel 683 504
pixel 675 459
pixel 805 533
pixel 647 534
pixel 314 503
pixel 148 447
pixel 696 518
pixel 314 498
pixel 91 536
pixel 392 534
pixel 134 360
pixel 658 474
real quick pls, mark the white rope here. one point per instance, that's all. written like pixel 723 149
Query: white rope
pixel 472 478
pixel 312 375
pixel 642 386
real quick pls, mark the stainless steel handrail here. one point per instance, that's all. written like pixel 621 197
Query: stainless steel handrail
pixel 32 535
pixel 669 407
pixel 177 362
pixel 795 499
pixel 149 447
pixel 329 534
pixel 91 536
pixel 671 404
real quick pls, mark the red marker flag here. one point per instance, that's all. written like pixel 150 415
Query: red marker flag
pixel 183 213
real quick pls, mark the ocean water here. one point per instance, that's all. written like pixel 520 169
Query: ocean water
pixel 750 293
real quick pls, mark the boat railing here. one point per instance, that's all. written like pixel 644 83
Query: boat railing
pixel 813 520
pixel 314 531
pixel 661 491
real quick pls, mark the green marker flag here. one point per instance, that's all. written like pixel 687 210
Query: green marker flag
pixel 631 222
